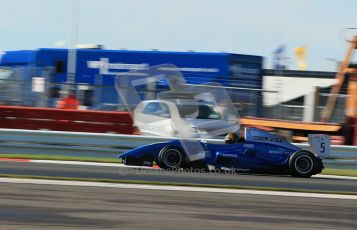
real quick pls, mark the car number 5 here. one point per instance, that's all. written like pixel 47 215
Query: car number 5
pixel 322 146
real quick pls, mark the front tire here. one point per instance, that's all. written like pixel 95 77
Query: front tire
pixel 303 164
pixel 171 158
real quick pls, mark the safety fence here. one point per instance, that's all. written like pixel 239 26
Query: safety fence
pixel 104 145
pixel 37 118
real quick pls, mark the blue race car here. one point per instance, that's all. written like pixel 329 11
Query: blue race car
pixel 261 151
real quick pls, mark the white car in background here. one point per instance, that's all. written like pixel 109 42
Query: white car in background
pixel 165 118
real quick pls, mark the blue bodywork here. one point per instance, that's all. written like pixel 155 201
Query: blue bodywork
pixel 261 150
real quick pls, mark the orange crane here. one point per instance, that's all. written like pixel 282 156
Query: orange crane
pixel 345 68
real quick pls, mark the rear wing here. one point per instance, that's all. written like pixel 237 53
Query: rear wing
pixel 320 145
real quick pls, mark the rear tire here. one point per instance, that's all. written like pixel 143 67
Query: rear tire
pixel 171 158
pixel 303 164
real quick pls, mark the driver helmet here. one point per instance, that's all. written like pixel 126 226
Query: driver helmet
pixel 231 138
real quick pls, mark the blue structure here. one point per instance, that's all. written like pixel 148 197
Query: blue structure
pixel 96 67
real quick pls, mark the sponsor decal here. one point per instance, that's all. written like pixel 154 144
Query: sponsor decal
pixel 190 69
pixel 274 152
pixel 105 67
pixel 229 155
pixel 239 70
pixel 279 152
pixel 249 146
pixel 269 139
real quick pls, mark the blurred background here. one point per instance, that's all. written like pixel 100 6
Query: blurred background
pixel 288 66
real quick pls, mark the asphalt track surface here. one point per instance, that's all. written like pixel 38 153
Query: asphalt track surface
pixel 139 174
pixel 33 206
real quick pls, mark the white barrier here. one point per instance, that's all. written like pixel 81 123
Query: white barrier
pixel 68 143
pixel 17 141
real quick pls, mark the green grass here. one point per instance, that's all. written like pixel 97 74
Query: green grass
pixel 176 184
pixel 340 172
pixel 60 158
